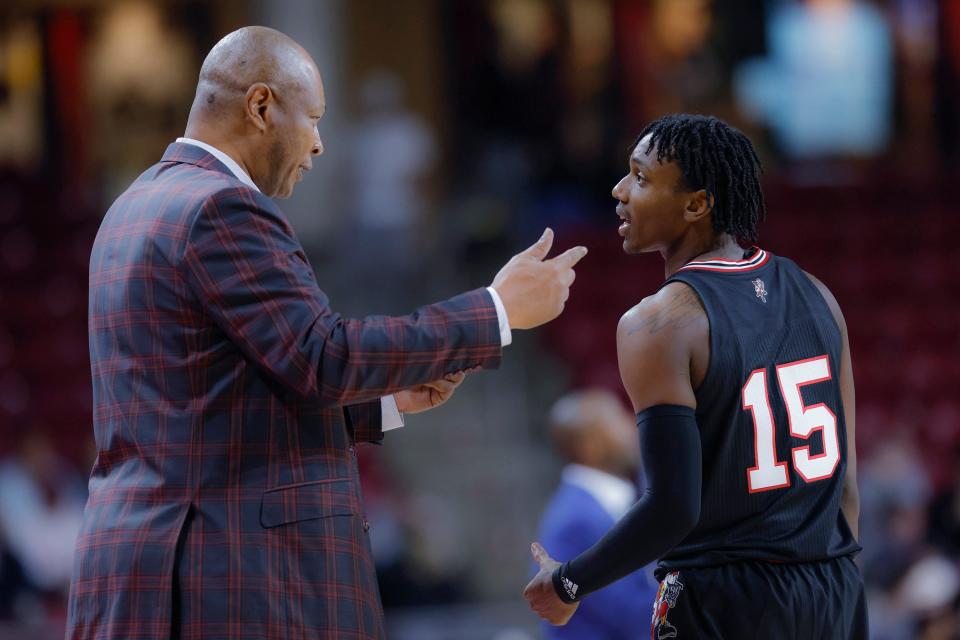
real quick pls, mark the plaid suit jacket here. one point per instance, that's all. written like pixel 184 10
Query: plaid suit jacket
pixel 224 500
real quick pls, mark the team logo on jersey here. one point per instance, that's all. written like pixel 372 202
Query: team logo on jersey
pixel 760 290
pixel 670 588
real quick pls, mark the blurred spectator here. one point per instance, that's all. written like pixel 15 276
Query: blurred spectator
pixel 928 593
pixel 894 490
pixel 913 589
pixel 13 584
pixel 826 57
pixel 945 516
pixel 683 62
pixel 20 93
pixel 41 504
pixel 915 29
pixel 921 605
pixel 136 97
pixel 597 437
pixel 392 153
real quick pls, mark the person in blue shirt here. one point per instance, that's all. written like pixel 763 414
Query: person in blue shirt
pixel 596 436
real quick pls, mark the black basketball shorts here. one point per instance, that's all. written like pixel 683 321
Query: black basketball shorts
pixel 762 600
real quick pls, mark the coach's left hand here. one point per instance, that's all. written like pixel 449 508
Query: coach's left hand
pixel 430 395
pixel 540 594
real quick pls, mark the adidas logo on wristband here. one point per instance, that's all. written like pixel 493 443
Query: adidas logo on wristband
pixel 570 587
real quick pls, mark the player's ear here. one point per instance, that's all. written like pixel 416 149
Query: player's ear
pixel 699 204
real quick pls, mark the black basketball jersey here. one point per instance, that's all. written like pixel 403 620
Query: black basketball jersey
pixel 771 419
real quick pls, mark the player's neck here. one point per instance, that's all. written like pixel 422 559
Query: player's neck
pixel 721 247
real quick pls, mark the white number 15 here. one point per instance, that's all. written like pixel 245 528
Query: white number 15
pixel 768 473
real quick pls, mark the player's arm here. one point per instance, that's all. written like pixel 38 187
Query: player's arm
pixel 655 342
pixel 850 502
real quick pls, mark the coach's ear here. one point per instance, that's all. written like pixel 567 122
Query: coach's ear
pixel 698 206
pixel 259 98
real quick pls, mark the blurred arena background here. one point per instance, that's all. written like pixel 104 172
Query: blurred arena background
pixel 455 131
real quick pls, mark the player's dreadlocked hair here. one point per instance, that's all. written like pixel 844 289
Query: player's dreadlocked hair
pixel 714 156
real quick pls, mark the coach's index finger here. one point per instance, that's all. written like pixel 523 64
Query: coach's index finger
pixel 570 257
pixel 541 247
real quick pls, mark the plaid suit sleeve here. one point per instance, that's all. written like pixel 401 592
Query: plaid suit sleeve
pixel 251 275
pixel 365 421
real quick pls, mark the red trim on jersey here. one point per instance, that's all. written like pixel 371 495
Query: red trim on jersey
pixel 729 265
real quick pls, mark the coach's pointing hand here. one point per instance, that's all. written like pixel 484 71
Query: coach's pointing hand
pixel 533 290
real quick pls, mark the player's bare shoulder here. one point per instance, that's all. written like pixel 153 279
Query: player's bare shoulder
pixel 675 310
pixel 658 340
pixel 831 301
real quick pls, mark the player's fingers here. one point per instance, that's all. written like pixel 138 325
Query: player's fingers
pixel 528 592
pixel 539 554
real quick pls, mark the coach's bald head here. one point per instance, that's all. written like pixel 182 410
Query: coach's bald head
pixel 259 99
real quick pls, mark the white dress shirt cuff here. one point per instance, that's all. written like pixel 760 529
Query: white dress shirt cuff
pixel 390 416
pixel 505 336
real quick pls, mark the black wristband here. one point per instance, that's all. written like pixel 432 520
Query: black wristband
pixel 564 586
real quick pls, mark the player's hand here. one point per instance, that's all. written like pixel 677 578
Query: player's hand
pixel 540 594
pixel 430 395
pixel 533 290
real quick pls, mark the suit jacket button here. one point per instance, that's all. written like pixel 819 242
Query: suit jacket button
pixel 366 525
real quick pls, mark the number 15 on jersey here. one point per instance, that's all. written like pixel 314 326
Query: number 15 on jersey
pixel 768 472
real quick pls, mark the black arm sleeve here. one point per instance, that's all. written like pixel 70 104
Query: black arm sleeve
pixel 668 510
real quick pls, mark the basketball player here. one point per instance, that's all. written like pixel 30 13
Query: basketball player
pixel 739 371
